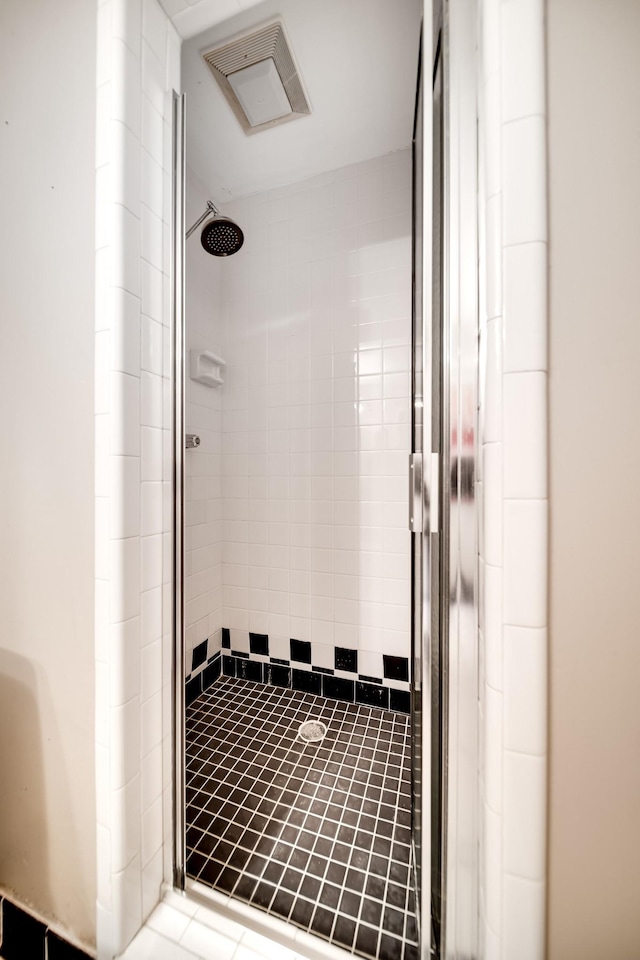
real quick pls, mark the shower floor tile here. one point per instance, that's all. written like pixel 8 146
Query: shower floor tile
pixel 317 834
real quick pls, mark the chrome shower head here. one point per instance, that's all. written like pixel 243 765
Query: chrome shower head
pixel 221 236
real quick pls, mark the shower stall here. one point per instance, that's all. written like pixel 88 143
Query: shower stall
pixel 324 535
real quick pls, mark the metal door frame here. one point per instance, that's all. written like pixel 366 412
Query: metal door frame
pixel 446 613
pixel 458 354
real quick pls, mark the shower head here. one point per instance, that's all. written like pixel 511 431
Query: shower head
pixel 221 236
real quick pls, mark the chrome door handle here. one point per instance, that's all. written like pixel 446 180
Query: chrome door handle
pixel 415 492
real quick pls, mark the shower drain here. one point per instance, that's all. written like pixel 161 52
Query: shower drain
pixel 312 730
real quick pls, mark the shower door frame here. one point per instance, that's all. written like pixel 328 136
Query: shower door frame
pixel 459 634
pixel 446 637
pixel 457 351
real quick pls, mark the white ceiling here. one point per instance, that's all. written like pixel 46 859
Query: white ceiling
pixel 358 61
pixel 193 16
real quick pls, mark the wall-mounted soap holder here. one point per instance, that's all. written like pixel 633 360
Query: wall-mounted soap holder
pixel 205 367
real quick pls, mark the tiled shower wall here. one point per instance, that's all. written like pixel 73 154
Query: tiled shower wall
pixel 316 415
pixel 138 53
pixel 513 437
pixel 202 493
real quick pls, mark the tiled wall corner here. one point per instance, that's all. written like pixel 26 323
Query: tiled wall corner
pixel 514 490
pixel 138 62
pixel 316 413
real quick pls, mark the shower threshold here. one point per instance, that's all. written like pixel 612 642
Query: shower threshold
pixel 316 834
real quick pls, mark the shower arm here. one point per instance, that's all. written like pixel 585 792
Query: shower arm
pixel 211 208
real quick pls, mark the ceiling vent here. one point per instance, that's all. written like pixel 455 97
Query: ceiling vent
pixel 258 77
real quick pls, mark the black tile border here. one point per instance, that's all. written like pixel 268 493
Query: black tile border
pixel 24 936
pixel 259 643
pixel 395 668
pixel 321 681
pixel 346 659
pixel 366 691
pixel 194 686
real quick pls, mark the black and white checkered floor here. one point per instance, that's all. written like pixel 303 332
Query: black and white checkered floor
pixel 314 833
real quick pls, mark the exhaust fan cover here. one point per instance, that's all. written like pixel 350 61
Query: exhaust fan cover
pixel 258 77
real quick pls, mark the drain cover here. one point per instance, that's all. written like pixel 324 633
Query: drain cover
pixel 312 730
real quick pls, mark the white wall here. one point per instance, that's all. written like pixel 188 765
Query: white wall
pixel 138 65
pixel 203 483
pixel 513 445
pixel 47 189
pixel 593 74
pixel 316 414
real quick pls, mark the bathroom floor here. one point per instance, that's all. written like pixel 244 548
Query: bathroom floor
pixel 314 833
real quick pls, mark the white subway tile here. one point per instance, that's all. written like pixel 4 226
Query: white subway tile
pixel 151 412
pixel 125 824
pixel 525 562
pixel 525 307
pixel 151 777
pixel 151 238
pixel 126 22
pixel 124 743
pixel 173 60
pixel 150 496
pixel 525 436
pixel 102 369
pixel 151 945
pixel 522 59
pixel 524 164
pixel 152 137
pixel 491 876
pixel 150 562
pixel 124 579
pixel 492 626
pixel 525 699
pixel 103 45
pixel 151 831
pixel 150 725
pixel 124 80
pixel 492 502
pixel 152 190
pixel 525 787
pixel 493 740
pixel 126 249
pixel 493 265
pixel 492 133
pixel 490 45
pixel 168 921
pixel 124 662
pixel 150 453
pixel 207 945
pixel 151 616
pixel 492 944
pixel 524 918
pixel 491 389
pixel 124 502
pixel 124 167
pixel 124 419
pixel 152 293
pixel 154 27
pixel 103 123
pixel 152 879
pixel 125 333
